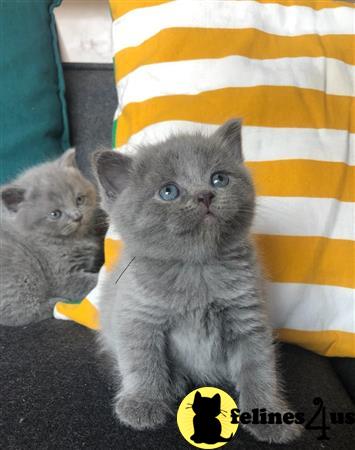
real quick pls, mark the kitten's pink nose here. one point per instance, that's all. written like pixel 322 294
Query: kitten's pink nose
pixel 77 216
pixel 205 197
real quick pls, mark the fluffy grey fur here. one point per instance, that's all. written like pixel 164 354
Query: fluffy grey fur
pixel 190 306
pixel 48 244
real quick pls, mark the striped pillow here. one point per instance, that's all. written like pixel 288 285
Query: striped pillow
pixel 287 68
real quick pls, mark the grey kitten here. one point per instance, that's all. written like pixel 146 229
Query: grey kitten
pixel 48 244
pixel 189 307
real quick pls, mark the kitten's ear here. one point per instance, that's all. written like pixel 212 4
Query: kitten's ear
pixel 12 196
pixel 68 159
pixel 230 133
pixel 217 399
pixel 112 172
pixel 198 396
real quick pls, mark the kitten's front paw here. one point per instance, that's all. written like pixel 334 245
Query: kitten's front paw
pixel 141 412
pixel 273 433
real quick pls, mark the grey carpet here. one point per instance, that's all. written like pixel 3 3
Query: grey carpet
pixel 56 394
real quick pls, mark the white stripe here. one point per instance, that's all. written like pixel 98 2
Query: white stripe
pixel 112 233
pixel 58 315
pixel 299 216
pixel 94 296
pixel 303 216
pixel 311 307
pixel 264 143
pixel 195 76
pixel 140 24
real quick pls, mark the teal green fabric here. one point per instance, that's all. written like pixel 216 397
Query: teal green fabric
pixel 33 119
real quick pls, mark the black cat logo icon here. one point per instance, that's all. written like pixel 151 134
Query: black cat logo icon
pixel 204 418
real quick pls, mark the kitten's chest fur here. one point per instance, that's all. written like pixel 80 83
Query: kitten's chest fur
pixel 196 344
pixel 182 287
pixel 70 255
pixel 195 296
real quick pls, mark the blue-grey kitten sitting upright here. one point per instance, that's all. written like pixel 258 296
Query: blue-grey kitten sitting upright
pixel 189 306
pixel 48 243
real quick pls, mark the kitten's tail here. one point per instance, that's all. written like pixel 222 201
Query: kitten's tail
pixel 222 439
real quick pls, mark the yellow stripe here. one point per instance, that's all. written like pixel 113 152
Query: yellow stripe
pixel 315 4
pixel 84 313
pixel 327 343
pixel 308 260
pixel 121 7
pixel 293 259
pixel 304 178
pixel 268 106
pixel 176 44
pixel 113 250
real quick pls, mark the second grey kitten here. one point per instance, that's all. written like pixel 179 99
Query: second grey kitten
pixel 190 305
pixel 49 247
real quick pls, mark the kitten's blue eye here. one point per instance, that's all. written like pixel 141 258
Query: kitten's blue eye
pixel 169 192
pixel 80 199
pixel 219 179
pixel 56 214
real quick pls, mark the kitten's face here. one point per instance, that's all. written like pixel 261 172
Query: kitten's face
pixel 53 199
pixel 60 205
pixel 206 406
pixel 184 196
